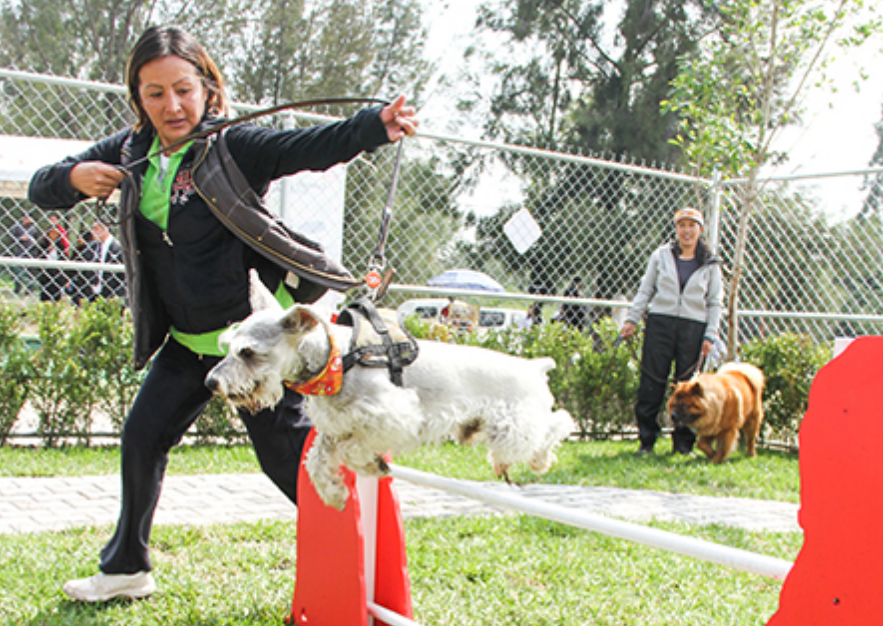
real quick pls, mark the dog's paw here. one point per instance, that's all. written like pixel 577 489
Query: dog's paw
pixel 378 469
pixel 501 470
pixel 542 461
pixel 335 496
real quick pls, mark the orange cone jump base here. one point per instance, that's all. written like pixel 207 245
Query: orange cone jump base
pixel 332 587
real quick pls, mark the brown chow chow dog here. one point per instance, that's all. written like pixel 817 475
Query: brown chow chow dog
pixel 717 406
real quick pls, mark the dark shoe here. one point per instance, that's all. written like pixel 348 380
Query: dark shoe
pixel 645 449
pixel 682 450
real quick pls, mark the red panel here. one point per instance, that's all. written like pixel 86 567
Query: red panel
pixel 838 575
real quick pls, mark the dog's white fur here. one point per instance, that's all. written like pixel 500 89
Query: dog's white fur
pixel 466 393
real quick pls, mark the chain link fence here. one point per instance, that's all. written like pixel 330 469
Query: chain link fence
pixel 532 220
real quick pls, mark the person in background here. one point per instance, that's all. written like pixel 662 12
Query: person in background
pixel 53 280
pixel 79 287
pixel 104 248
pixel 681 294
pixel 535 314
pixel 574 315
pixel 188 255
pixel 25 245
pixel 55 222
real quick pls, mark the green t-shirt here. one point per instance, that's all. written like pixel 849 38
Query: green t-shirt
pixel 156 190
pixel 155 197
pixel 207 343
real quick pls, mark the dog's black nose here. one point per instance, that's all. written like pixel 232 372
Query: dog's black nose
pixel 212 383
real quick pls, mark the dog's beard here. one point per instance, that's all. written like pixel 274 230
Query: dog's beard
pixel 263 394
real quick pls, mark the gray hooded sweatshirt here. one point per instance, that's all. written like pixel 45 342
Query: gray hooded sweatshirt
pixel 660 292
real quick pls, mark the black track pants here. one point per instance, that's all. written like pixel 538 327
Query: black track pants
pixel 666 339
pixel 171 398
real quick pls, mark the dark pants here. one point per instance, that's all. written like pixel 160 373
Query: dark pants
pixel 666 339
pixel 171 398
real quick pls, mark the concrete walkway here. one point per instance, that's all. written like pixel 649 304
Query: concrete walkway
pixel 50 504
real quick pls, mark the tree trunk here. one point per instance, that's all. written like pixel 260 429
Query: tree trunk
pixel 738 263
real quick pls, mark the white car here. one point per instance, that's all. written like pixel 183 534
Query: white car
pixel 423 308
pixel 488 318
pixel 498 319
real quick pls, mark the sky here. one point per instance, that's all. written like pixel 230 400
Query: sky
pixel 837 135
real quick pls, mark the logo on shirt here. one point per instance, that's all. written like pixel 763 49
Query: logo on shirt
pixel 182 188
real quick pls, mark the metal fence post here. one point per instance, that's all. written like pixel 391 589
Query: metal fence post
pixel 714 205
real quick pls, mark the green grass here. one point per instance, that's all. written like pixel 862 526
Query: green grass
pixel 472 571
pixel 771 476
pixel 509 570
pixel 79 461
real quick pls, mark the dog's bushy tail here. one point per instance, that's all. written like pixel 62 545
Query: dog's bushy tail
pixel 751 373
pixel 544 363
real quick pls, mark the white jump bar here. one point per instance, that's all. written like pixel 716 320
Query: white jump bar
pixel 390 617
pixel 688 546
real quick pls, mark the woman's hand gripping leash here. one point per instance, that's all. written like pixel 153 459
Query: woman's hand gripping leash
pixel 97 180
pixel 400 122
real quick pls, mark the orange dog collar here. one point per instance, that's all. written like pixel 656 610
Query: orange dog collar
pixel 327 382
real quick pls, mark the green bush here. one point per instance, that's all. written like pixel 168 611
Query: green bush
pixel 82 363
pixel 63 393
pixel 790 363
pixel 15 369
pixel 104 330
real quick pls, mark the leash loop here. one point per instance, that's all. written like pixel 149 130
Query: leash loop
pixel 377 281
pixel 216 128
pixel 691 371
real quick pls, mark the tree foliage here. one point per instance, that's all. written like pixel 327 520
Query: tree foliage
pixel 744 85
pixel 271 49
pixel 571 79
pixel 306 50
pixel 568 84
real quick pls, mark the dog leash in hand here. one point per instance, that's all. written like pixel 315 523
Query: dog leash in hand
pixel 691 372
pixel 376 280
pixel 216 128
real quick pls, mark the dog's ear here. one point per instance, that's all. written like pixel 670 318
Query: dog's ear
pixel 259 296
pixel 697 390
pixel 299 320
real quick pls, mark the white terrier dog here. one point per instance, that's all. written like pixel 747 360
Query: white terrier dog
pixel 453 391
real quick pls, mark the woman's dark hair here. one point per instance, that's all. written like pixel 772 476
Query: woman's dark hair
pixel 703 254
pixel 162 41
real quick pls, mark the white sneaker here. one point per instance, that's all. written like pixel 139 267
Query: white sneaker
pixel 103 587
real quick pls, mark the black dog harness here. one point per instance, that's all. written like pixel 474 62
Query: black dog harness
pixel 378 339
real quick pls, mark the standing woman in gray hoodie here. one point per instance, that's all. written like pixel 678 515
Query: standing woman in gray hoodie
pixel 682 296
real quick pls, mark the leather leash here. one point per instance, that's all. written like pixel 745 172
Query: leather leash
pixel 216 128
pixel 691 372
pixel 378 281
pixel 212 130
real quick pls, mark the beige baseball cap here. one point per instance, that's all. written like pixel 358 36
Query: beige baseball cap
pixel 689 213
